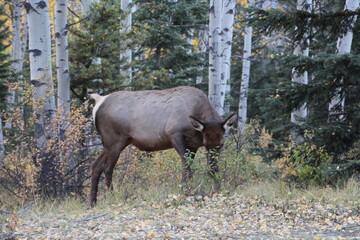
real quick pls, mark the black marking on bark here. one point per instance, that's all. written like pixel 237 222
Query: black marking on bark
pixel 48 116
pixel 59 11
pixel 39 131
pixel 66 71
pixel 211 9
pixel 57 35
pixel 28 7
pixel 65 33
pixel 41 5
pixel 36 52
pixel 41 69
pixel 35 83
pixel 231 11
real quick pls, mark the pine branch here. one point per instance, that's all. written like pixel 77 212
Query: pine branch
pixel 296 23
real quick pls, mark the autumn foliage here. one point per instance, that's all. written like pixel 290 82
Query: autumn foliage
pixel 21 168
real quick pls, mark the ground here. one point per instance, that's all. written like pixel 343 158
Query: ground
pixel 195 217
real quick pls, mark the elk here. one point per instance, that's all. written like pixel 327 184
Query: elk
pixel 180 118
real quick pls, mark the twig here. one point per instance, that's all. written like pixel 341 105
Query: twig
pixel 73 13
pixel 77 165
pixel 71 24
pixel 92 217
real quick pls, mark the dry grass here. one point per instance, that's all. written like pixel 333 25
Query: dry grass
pixel 256 210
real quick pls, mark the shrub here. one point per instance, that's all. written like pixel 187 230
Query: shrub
pixel 303 164
pixel 20 169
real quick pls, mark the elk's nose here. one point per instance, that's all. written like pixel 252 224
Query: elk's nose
pixel 220 146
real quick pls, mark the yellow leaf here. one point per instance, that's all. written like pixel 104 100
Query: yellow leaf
pixel 263 227
pixel 152 234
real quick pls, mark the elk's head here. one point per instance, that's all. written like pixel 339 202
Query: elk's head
pixel 213 132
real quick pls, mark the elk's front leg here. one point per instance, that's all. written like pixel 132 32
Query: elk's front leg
pixel 178 143
pixel 212 161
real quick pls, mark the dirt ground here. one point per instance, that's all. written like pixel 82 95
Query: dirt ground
pixel 193 217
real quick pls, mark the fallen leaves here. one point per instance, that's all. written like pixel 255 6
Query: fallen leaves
pixel 180 217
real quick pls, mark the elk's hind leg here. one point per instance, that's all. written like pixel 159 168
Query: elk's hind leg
pixel 113 156
pixel 96 170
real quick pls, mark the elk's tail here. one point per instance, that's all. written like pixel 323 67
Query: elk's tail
pixel 96 97
pixel 98 101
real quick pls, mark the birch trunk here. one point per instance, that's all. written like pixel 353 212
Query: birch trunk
pixel 302 48
pixel 245 76
pixel 274 3
pixel 85 6
pixel 217 85
pixel 16 54
pixel 269 3
pixel 24 41
pixel 126 54
pixel 63 78
pixel 337 104
pixel 203 37
pixel 43 93
pixel 228 15
pixel 62 64
pixel 2 145
pixel 85 9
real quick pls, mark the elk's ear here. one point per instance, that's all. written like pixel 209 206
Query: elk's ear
pixel 196 123
pixel 229 122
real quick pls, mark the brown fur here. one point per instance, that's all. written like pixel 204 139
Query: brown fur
pixel 180 118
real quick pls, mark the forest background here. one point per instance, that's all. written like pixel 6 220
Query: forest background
pixel 291 77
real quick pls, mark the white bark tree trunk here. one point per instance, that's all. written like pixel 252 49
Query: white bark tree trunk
pixel 40 68
pixel 63 78
pixel 2 145
pixel 16 54
pixel 337 104
pixel 245 76
pixel 126 55
pixel 228 14
pixel 269 3
pixel 203 37
pixel 85 6
pixel 217 85
pixel 24 40
pixel 302 48
pixel 49 179
pixel 62 63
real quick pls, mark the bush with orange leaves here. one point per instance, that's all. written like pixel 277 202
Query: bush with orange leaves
pixel 20 169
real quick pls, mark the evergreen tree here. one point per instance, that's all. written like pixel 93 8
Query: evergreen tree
pixel 326 69
pixel 4 75
pixel 99 38
pixel 4 59
pixel 164 58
